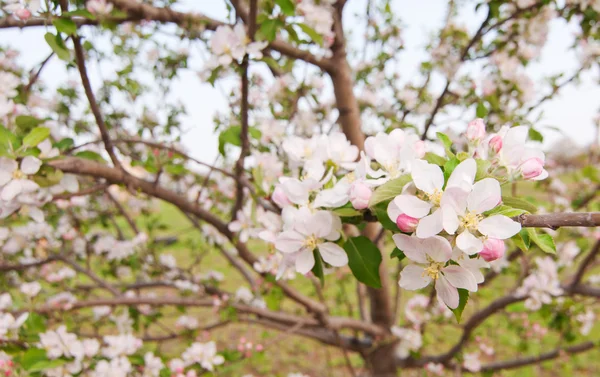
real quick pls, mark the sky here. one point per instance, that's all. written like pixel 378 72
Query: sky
pixel 572 111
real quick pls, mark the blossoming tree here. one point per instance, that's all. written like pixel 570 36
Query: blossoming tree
pixel 400 245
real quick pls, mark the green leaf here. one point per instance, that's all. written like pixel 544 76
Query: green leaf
pixel 433 158
pixel 483 167
pixel 269 27
pixel 481 111
pixel 8 140
pixel 33 356
pixel 229 136
pixel 316 37
pixel 274 298
pixel 346 212
pixel 58 46
pixel 27 122
pixel 544 241
pixel 43 365
pixel 463 298
pixel 89 155
pixel 389 190
pixel 382 216
pixel 318 267
pixel 397 253
pixel 48 176
pixel 535 135
pixel 449 167
pixel 522 240
pixel 80 13
pixel 519 203
pixel 64 144
pixel 364 259
pixel 287 7
pixel 446 142
pixel 505 211
pixel 36 136
pixel 65 25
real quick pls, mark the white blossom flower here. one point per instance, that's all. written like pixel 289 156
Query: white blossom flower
pixel 432 254
pixel 204 354
pixel 31 289
pixel 14 179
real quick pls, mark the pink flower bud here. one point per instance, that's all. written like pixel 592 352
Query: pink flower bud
pixel 280 198
pixel 492 249
pixel 360 194
pixel 532 167
pixel 495 144
pixel 406 223
pixel 476 130
pixel 23 14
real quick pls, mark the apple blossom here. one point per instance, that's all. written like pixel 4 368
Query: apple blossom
pixel 14 178
pixel 432 254
pixel 463 211
pixel 476 130
pixel 313 231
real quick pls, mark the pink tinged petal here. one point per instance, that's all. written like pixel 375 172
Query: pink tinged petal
pixel 234 226
pixel 543 175
pixel 463 175
pixel 305 261
pixel 498 226
pixel 333 254
pixel 289 241
pixel 5 177
pixel 320 224
pixel 456 198
pixel 28 186
pixel 412 206
pixel 36 214
pixel 406 223
pixel 486 195
pixel 413 277
pixel 446 292
pixel 30 165
pixel 12 189
pixel 295 191
pixel 438 248
pixel 492 249
pixel 411 246
pixel 430 225
pixel 460 277
pixel 450 219
pixel 469 243
pixel 427 177
pixel 393 211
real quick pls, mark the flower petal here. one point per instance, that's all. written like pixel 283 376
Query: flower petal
pixel 411 246
pixel 469 243
pixel 393 211
pixel 412 206
pixel 430 225
pixel 486 195
pixel 463 175
pixel 456 198
pixel 12 189
pixel 30 165
pixel 289 241
pixel 305 261
pixel 499 226
pixel 413 277
pixel 450 219
pixel 427 177
pixel 446 292
pixel 438 248
pixel 333 254
pixel 460 277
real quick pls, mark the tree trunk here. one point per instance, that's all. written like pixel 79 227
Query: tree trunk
pixel 381 362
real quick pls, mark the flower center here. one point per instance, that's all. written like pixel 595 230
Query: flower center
pixel 311 242
pixel 392 169
pixel 470 221
pixel 17 174
pixel 433 271
pixel 436 197
pixel 350 177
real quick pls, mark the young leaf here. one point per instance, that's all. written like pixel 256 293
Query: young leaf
pixel 535 135
pixel 519 203
pixel 33 356
pixel 380 211
pixel 433 158
pixel 364 259
pixel 483 167
pixel 65 25
pixel 389 190
pixel 316 37
pixel 346 212
pixel 36 136
pixel 544 241
pixel 522 240
pixel 27 122
pixel 318 267
pixel 481 111
pixel 397 253
pixel 287 6
pixel 447 143
pixel 449 167
pixel 58 46
pixel 89 155
pixel 463 298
